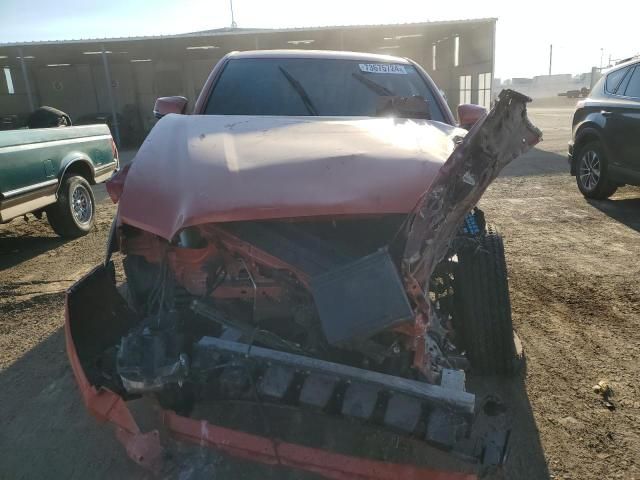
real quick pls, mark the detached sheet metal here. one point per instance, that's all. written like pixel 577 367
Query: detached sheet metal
pixel 195 169
pixel 494 141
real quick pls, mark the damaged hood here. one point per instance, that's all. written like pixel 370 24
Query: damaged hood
pixel 204 169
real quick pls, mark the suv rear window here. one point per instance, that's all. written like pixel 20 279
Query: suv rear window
pixel 614 79
pixel 633 85
pixel 303 86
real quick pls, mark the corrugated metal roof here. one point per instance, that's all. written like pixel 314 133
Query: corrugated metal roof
pixel 247 31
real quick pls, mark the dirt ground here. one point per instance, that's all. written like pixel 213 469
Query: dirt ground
pixel 574 279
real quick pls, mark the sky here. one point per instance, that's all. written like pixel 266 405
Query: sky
pixel 581 35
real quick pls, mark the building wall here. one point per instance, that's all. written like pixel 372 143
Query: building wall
pixel 17 103
pixel 475 57
pixel 70 89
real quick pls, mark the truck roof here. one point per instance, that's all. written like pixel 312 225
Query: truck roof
pixel 325 54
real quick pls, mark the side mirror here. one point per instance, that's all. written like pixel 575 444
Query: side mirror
pixel 166 105
pixel 469 114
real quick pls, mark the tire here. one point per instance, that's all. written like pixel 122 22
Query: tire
pixel 484 321
pixel 591 172
pixel 73 215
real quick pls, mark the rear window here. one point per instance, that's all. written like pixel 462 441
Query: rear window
pixel 633 85
pixel 303 86
pixel 614 79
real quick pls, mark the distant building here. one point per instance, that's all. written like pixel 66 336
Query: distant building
pixel 546 86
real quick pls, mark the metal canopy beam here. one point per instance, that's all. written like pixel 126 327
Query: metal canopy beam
pixel 112 102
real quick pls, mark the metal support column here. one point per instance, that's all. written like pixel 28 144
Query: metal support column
pixel 25 76
pixel 112 102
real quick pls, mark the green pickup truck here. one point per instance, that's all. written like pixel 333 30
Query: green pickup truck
pixel 51 170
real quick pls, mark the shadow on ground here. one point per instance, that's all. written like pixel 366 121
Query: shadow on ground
pixel 525 455
pixel 46 431
pixel 17 249
pixel 536 162
pixel 624 210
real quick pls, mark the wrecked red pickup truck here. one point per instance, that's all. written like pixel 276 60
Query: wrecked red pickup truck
pixel 307 248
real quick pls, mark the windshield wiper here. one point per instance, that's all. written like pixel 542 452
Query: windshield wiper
pixel 376 87
pixel 301 91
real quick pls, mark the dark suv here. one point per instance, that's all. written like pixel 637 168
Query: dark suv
pixel 604 153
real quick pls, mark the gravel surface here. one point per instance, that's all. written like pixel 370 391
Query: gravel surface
pixel 574 279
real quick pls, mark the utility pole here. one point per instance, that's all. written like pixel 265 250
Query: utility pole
pixel 601 57
pixel 233 21
pixel 550 57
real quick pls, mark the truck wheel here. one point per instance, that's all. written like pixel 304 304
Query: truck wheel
pixel 591 174
pixel 73 215
pixel 484 322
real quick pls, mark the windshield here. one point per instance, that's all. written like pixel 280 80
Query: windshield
pixel 305 86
